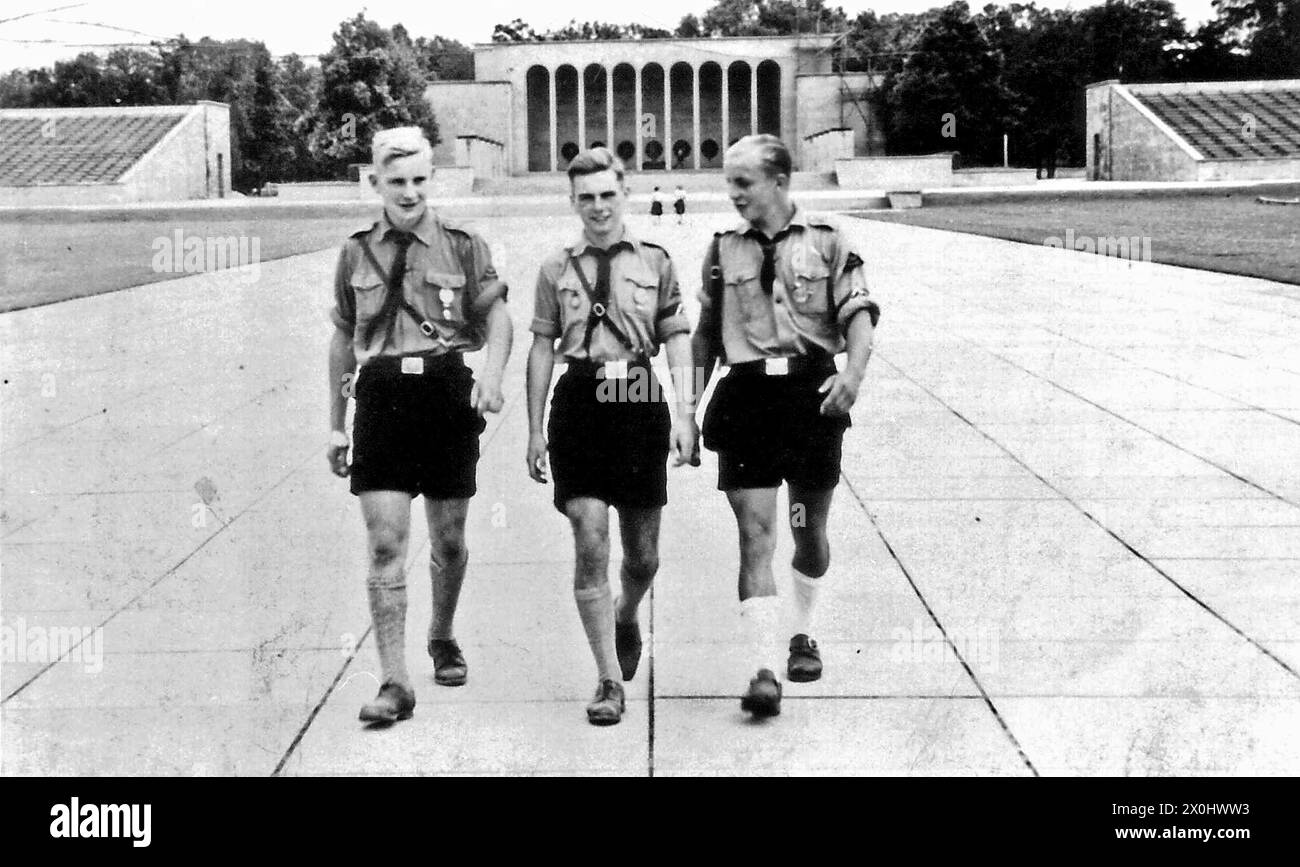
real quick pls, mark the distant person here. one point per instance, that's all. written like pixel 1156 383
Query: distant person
pixel 784 293
pixel 657 206
pixel 412 294
pixel 679 203
pixel 605 304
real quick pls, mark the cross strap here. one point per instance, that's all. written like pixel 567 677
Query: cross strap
pixel 426 327
pixel 599 312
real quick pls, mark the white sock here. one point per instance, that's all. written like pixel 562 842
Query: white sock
pixel 760 615
pixel 802 602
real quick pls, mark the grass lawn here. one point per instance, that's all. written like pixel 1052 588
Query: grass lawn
pixel 1232 232
pixel 44 262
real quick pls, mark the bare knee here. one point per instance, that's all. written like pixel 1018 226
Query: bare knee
pixel 447 547
pixel 812 557
pixel 387 548
pixel 591 555
pixel 641 566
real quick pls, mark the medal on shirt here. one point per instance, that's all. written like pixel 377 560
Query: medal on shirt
pixel 801 293
pixel 446 296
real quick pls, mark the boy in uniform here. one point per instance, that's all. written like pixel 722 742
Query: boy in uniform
pixel 784 292
pixel 412 294
pixel 611 300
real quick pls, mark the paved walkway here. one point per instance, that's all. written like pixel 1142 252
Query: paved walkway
pixel 1066 542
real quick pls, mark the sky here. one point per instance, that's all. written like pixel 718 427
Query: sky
pixel 61 29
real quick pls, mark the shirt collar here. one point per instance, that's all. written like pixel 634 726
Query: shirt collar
pixel 581 244
pixel 797 218
pixel 423 230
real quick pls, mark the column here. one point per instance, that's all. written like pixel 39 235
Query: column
pixel 695 108
pixel 582 107
pixel 753 99
pixel 550 78
pixel 668 116
pixel 726 110
pixel 636 159
pixel 609 109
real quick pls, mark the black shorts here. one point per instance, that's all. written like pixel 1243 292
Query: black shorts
pixel 612 450
pixel 656 209
pixel 416 432
pixel 680 206
pixel 769 429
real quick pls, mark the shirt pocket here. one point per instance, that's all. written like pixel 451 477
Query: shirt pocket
pixel 442 297
pixel 745 287
pixel 809 293
pixel 368 291
pixel 645 294
pixel 572 299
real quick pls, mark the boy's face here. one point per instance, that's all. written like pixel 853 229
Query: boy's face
pixel 403 185
pixel 599 200
pixel 755 195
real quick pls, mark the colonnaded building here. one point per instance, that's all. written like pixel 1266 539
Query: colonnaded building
pixel 662 104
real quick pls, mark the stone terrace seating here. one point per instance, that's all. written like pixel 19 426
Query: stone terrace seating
pixel 1214 122
pixel 76 149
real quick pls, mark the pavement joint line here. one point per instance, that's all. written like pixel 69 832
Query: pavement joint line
pixel 329 690
pixel 252 401
pixel 1079 397
pixel 1244 404
pixel 164 576
pixel 1134 551
pixel 650 675
pixel 934 618
pixel 866 697
pixel 1116 415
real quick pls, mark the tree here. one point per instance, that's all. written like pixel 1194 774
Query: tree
pixel 1268 30
pixel 517 30
pixel 444 59
pixel 369 81
pixel 949 95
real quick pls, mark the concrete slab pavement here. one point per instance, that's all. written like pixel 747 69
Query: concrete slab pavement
pixel 1066 542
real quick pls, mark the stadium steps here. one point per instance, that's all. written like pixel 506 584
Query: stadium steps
pixel 94 149
pixel 1214 121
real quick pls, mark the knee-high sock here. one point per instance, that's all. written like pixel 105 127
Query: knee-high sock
pixel 596 608
pixel 760 616
pixel 388 614
pixel 803 602
pixel 446 579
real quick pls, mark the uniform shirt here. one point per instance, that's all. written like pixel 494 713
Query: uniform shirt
pixel 434 284
pixel 818 287
pixel 645 300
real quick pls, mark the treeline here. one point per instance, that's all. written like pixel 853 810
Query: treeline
pixel 957 80
pixel 952 79
pixel 289 121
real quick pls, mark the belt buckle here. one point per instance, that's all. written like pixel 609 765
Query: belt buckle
pixel 776 366
pixel 412 364
pixel 615 369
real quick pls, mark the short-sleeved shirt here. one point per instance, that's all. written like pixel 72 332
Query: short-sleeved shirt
pixel 434 284
pixel 819 286
pixel 645 301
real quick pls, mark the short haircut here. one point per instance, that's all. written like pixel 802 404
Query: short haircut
pixel 594 161
pixel 773 155
pixel 402 141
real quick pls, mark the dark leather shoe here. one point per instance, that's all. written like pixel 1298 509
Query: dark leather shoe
pixel 606 708
pixel 805 663
pixel 394 702
pixel 627 643
pixel 764 696
pixel 449 668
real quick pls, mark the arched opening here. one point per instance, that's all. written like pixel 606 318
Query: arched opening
pixel 681 80
pixel 739 103
pixel 625 111
pixel 710 114
pixel 537 81
pixel 769 97
pixel 652 115
pixel 566 109
pixel 594 82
